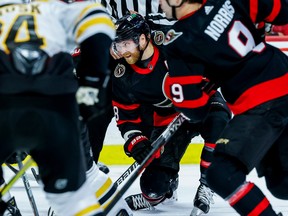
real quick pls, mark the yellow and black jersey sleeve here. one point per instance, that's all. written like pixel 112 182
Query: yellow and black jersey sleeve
pixel 84 19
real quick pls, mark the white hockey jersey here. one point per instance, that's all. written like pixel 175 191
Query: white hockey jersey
pixel 72 24
pixel 36 40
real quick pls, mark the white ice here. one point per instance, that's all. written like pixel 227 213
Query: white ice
pixel 188 183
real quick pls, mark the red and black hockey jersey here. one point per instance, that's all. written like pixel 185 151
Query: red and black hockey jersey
pixel 220 41
pixel 134 86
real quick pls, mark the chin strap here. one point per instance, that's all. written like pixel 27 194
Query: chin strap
pixel 174 8
pixel 142 51
pixel 174 12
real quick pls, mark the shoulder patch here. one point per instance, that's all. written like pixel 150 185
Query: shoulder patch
pixel 159 37
pixel 119 70
pixel 171 36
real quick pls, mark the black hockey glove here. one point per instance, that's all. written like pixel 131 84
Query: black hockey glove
pixel 138 146
pixel 92 96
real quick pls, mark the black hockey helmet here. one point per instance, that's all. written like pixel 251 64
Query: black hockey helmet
pixel 131 26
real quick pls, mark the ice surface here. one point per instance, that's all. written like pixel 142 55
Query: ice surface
pixel 188 183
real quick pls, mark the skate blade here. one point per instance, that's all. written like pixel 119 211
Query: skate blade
pixel 196 212
pixel 151 208
pixel 169 202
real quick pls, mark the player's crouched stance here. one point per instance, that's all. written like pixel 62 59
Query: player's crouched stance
pixel 159 181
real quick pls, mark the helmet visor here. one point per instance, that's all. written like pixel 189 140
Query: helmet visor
pixel 125 46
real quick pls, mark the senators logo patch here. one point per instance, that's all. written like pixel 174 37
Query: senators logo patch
pixel 171 36
pixel 159 37
pixel 119 70
pixel 76 52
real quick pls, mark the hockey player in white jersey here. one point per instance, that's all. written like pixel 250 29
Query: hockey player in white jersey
pixel 39 111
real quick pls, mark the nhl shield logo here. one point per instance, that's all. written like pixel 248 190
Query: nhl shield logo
pixel 159 37
pixel 171 36
pixel 119 70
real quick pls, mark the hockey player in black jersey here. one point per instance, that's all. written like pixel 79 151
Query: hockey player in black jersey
pixel 219 40
pixel 141 77
pixel 97 125
pixel 39 113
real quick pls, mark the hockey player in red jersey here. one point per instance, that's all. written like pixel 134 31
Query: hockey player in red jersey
pixel 139 78
pixel 219 40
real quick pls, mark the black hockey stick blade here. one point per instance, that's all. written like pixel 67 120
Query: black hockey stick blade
pixel 157 144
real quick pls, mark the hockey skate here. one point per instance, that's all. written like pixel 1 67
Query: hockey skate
pixel 12 209
pixel 202 200
pixel 137 202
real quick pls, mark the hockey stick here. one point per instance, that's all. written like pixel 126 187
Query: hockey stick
pixel 127 172
pixel 15 178
pixel 15 171
pixel 33 177
pixel 27 187
pixel 36 176
pixel 157 144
